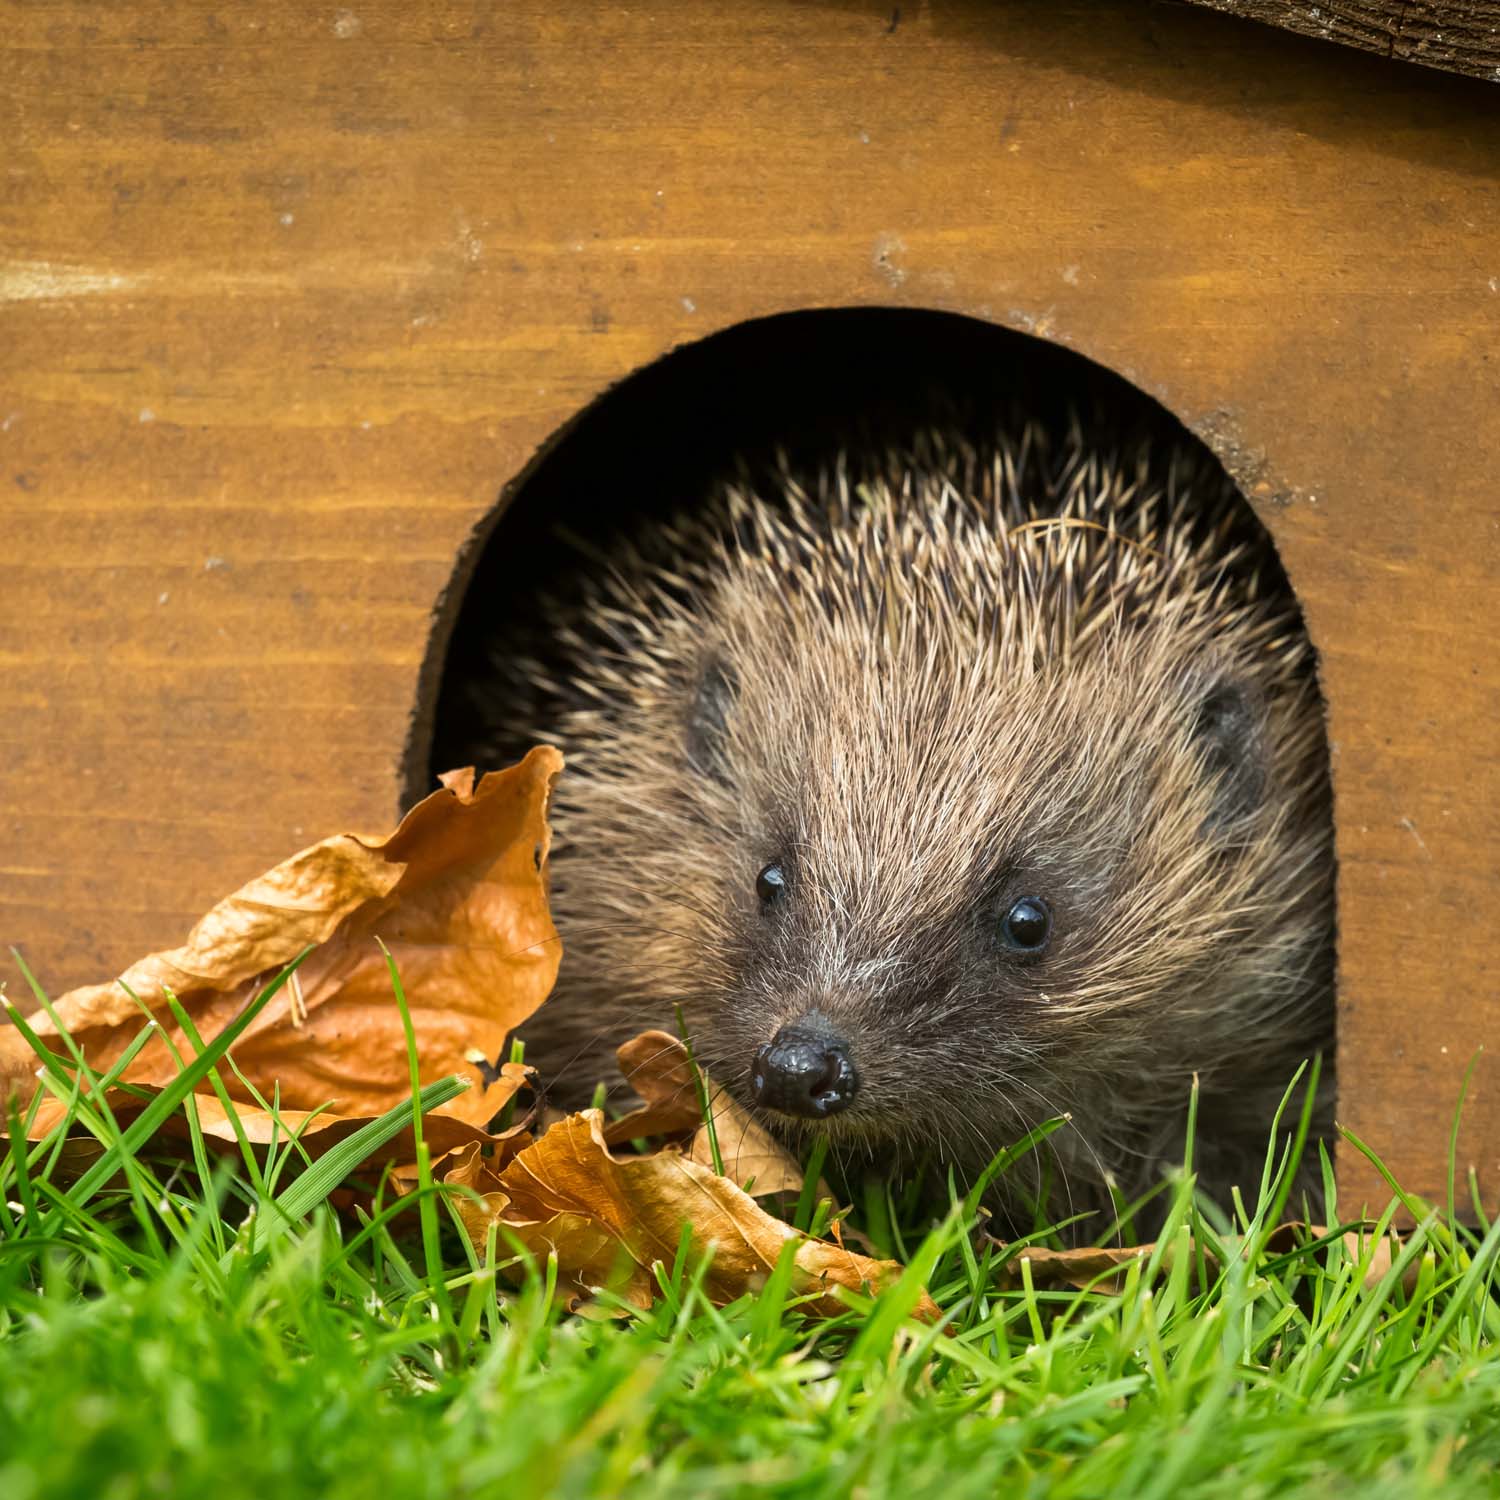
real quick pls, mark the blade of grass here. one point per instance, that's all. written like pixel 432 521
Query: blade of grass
pixel 330 1169
pixel 700 1086
pixel 427 1206
pixel 812 1174
pixel 149 1121
pixel 1458 1114
pixel 190 1031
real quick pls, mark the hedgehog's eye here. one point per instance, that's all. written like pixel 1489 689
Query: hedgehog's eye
pixel 770 885
pixel 1027 925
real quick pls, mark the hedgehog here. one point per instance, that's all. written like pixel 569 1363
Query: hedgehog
pixel 944 791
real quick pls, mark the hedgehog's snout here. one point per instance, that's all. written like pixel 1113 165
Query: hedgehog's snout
pixel 805 1069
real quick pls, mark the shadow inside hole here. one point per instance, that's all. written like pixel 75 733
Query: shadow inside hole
pixel 807 384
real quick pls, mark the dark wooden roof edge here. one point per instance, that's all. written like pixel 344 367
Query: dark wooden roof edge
pixel 1462 36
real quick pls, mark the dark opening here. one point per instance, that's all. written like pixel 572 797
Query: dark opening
pixel 806 383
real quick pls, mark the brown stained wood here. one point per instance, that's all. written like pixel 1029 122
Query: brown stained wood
pixel 288 295
pixel 1462 36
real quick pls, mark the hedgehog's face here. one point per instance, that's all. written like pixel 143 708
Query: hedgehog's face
pixel 939 918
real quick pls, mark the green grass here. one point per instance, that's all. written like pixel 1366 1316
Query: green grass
pixel 192 1326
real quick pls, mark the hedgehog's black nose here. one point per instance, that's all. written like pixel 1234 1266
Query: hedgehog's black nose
pixel 804 1070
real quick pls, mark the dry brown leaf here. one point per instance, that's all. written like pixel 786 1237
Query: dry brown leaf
pixel 751 1156
pixel 444 1134
pixel 1286 1237
pixel 469 1167
pixel 1098 1268
pixel 1101 1268
pixel 610 1219
pixel 457 892
pixel 656 1066
pixel 316 1131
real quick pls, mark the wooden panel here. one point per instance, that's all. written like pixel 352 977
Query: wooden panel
pixel 1460 35
pixel 289 293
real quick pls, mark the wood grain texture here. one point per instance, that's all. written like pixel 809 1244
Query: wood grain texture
pixel 1462 36
pixel 288 295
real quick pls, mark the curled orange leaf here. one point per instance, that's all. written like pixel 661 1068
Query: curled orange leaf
pixel 457 893
pixel 609 1219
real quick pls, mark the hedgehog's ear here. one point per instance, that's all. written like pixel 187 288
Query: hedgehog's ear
pixel 708 719
pixel 1229 730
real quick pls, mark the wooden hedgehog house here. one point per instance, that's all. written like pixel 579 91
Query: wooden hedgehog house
pixel 296 299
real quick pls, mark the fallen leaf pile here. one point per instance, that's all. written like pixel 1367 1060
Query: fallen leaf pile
pixel 610 1219
pixel 458 894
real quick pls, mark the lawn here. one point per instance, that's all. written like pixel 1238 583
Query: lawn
pixel 181 1323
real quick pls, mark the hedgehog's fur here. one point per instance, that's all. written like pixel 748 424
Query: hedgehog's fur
pixel 1027 668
